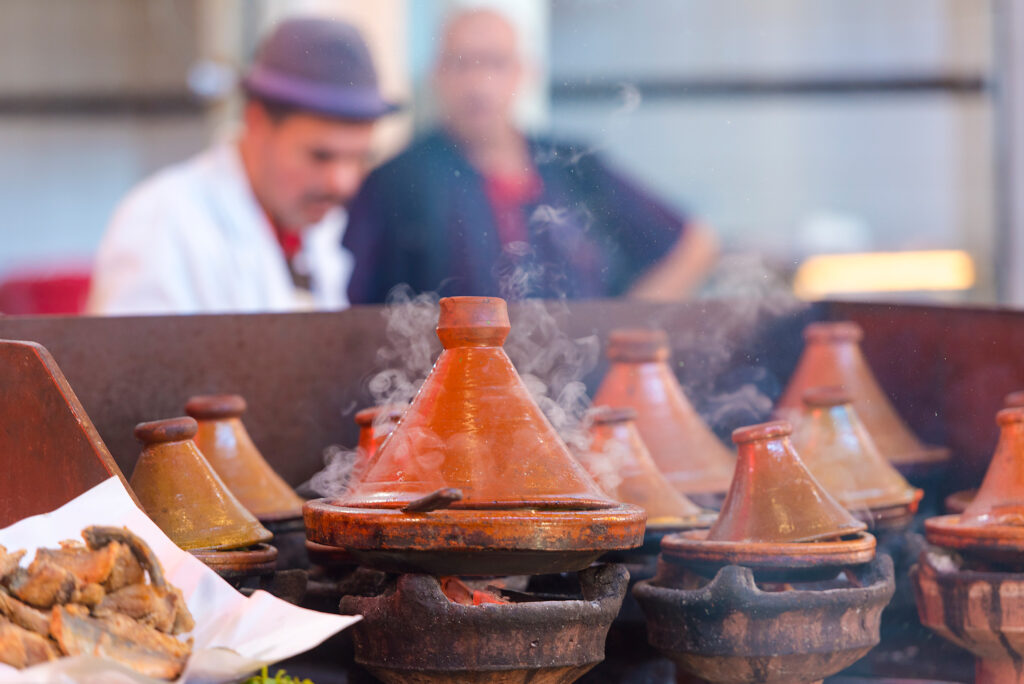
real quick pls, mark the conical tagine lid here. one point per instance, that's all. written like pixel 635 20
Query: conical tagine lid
pixel 474 480
pixel 473 426
pixel 1000 500
pixel 838 451
pixel 687 453
pixel 832 357
pixel 229 449
pixel 621 465
pixel 774 498
pixel 992 526
pixel 182 493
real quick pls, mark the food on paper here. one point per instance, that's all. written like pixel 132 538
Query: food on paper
pixel 93 599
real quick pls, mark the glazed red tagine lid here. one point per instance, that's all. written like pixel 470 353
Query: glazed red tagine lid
pixel 776 518
pixel 832 356
pixel 621 465
pixel 957 502
pixel 184 496
pixel 839 452
pixel 474 480
pixel 992 526
pixel 229 449
pixel 685 450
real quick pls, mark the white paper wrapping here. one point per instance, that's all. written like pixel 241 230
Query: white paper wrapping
pixel 234 635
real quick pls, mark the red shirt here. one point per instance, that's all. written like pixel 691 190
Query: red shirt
pixel 507 196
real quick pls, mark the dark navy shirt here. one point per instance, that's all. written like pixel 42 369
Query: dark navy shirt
pixel 424 219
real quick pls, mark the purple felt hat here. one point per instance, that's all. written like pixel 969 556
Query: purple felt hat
pixel 319 65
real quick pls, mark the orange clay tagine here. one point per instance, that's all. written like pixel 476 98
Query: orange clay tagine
pixel 836 448
pixel 957 502
pixel 689 455
pixel 474 479
pixel 776 519
pixel 832 357
pixel 992 526
pixel 228 448
pixel 184 496
pixel 621 465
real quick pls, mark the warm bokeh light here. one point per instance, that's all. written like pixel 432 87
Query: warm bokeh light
pixel 830 274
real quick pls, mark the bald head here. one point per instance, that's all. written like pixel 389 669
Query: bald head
pixel 478 74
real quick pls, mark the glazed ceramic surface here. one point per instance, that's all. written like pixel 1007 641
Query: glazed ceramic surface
pixel 992 525
pixel 184 496
pixel 621 465
pixel 839 452
pixel 832 356
pixel 474 477
pixel 774 497
pixel 227 446
pixel 682 446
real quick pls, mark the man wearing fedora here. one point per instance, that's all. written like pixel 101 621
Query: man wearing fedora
pixel 255 224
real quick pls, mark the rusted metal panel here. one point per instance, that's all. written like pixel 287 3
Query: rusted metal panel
pixel 49 450
pixel 305 375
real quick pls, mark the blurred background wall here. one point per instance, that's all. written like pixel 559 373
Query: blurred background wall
pixel 795 127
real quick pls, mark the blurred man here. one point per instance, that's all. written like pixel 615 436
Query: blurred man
pixel 478 208
pixel 255 224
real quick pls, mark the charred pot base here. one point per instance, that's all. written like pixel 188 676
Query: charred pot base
pixel 976 609
pixel 730 631
pixel 413 634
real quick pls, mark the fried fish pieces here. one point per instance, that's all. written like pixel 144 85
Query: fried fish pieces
pixel 21 648
pixel 121 639
pixel 42 585
pixel 24 615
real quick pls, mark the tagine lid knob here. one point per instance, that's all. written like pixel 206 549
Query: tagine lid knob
pixel 775 429
pixel 215 406
pixel 473 322
pixel 168 430
pixel 638 345
pixel 834 331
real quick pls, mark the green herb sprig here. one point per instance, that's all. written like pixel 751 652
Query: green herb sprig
pixel 281 677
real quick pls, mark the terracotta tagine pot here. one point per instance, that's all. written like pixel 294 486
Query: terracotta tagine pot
pixel 832 356
pixel 777 519
pixel 224 441
pixel 839 452
pixel 977 609
pixel 682 446
pixel 957 502
pixel 474 480
pixel 182 493
pixel 991 528
pixel 622 466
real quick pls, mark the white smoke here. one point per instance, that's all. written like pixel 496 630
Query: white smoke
pixel 335 478
pixel 753 294
pixel 411 347
pixel 550 363
pixel 606 466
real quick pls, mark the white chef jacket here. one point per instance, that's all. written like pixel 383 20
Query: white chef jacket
pixel 193 239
